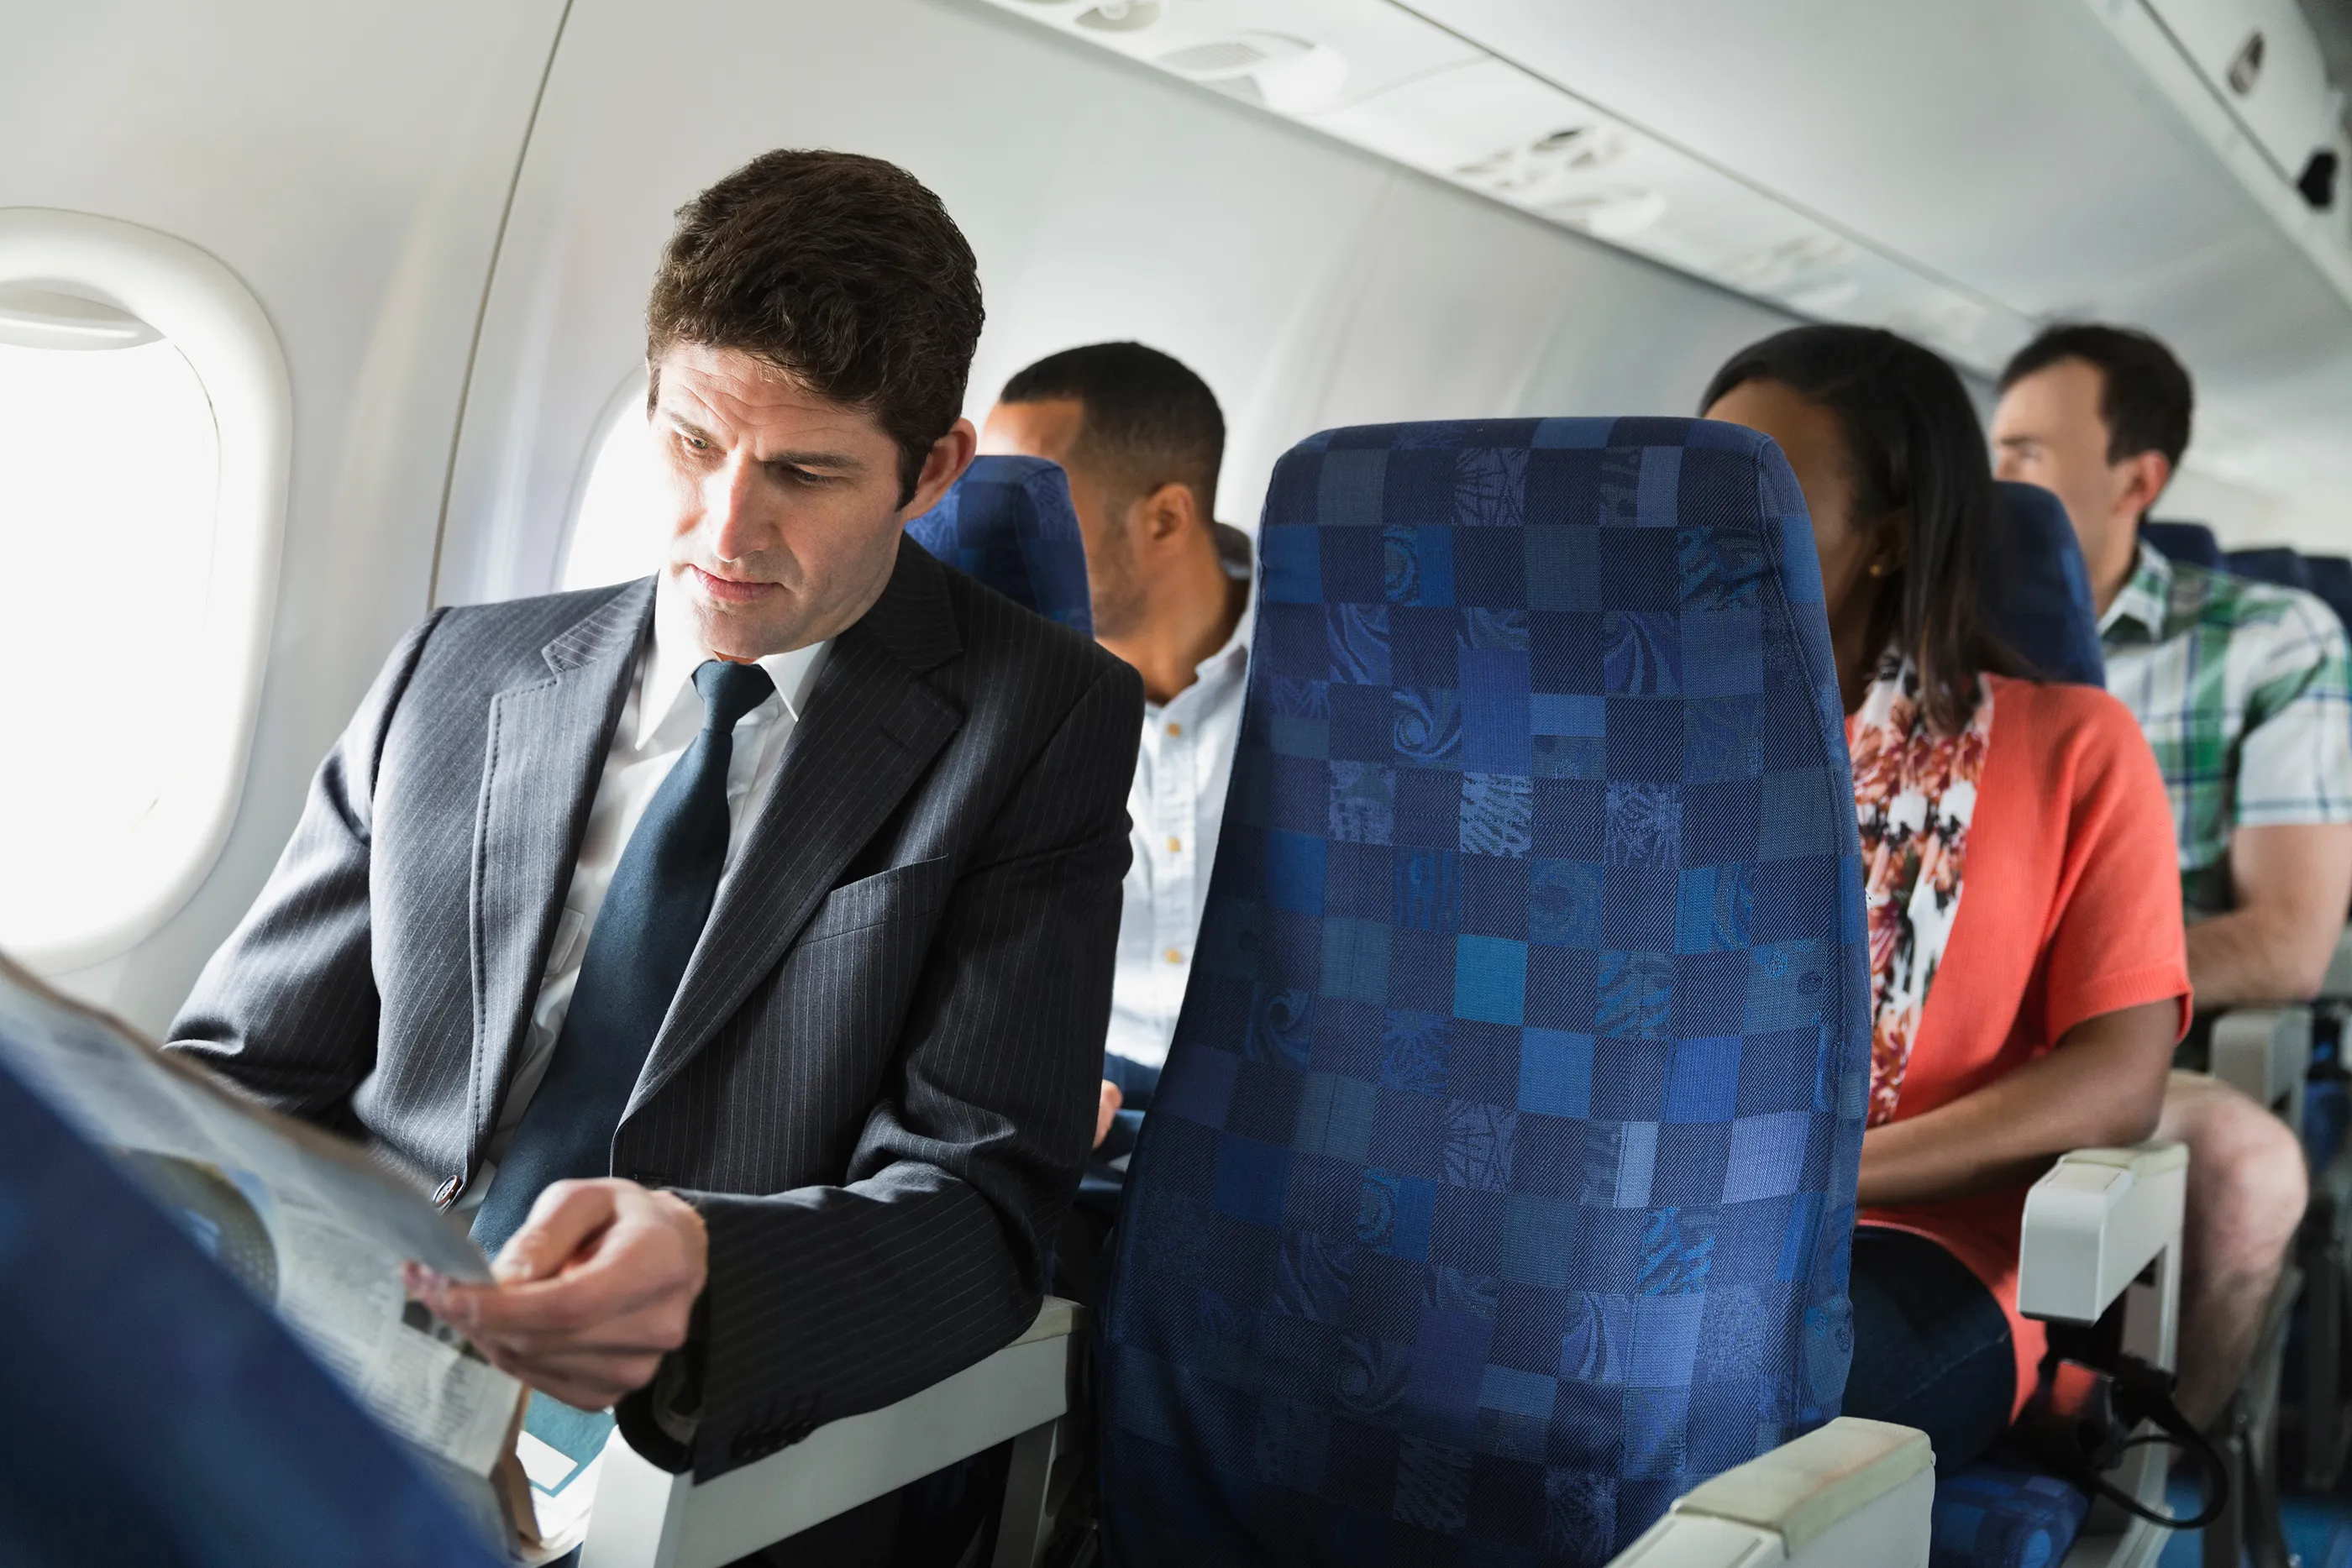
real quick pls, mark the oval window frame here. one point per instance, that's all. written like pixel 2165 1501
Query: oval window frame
pixel 191 298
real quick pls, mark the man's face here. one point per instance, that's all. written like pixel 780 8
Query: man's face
pixel 785 510
pixel 2048 431
pixel 1049 428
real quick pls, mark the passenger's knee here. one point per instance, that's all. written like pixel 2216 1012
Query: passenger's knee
pixel 2247 1184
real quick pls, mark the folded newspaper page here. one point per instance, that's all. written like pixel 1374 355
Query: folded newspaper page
pixel 318 1231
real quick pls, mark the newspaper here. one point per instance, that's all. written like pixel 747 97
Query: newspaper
pixel 311 1226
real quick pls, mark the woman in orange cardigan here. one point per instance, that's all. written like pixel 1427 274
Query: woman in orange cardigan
pixel 2028 975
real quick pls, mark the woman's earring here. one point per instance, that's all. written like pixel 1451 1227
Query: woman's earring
pixel 1878 569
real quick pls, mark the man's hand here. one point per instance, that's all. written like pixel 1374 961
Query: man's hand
pixel 591 1293
pixel 1111 1101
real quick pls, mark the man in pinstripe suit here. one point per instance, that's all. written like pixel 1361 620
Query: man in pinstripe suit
pixel 735 945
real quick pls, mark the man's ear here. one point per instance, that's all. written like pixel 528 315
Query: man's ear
pixel 2147 474
pixel 949 456
pixel 1166 514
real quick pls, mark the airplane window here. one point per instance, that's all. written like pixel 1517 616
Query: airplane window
pixel 145 428
pixel 613 538
pixel 108 471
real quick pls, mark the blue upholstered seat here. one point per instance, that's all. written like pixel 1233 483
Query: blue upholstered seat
pixel 2038 595
pixel 1500 1183
pixel 1991 1516
pixel 1009 523
pixel 2331 579
pixel 2274 564
pixel 2190 542
pixel 156 1414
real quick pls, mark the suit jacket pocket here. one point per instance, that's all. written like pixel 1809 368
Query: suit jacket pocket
pixel 902 893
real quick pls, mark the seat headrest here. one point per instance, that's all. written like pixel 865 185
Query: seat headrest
pixel 1009 523
pixel 2190 542
pixel 2274 564
pixel 2037 596
pixel 2331 579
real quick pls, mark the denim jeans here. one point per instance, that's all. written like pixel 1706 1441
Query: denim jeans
pixel 1931 1346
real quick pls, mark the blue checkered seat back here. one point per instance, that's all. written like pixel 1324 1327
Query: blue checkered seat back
pixel 1009 523
pixel 1500 1186
pixel 2190 542
pixel 2038 593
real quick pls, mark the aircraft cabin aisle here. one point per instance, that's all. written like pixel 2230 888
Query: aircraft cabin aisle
pixel 397 258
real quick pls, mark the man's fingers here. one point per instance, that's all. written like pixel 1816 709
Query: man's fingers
pixel 1111 1101
pixel 567 1215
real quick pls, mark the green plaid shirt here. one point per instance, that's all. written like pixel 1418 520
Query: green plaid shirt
pixel 2241 689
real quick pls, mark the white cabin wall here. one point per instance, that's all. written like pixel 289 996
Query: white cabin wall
pixel 351 167
pixel 1309 283
pixel 349 164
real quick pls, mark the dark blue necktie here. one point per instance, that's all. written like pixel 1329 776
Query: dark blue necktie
pixel 652 915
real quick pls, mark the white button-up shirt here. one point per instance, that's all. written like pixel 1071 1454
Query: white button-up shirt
pixel 662 716
pixel 1174 808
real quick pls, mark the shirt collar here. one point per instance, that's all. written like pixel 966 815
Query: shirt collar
pixel 1233 554
pixel 2146 597
pixel 677 651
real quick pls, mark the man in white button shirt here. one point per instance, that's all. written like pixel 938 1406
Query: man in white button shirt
pixel 1141 438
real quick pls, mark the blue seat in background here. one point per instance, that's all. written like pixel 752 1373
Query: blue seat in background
pixel 1500 1184
pixel 153 1413
pixel 2273 564
pixel 2038 595
pixel 1993 1516
pixel 2191 542
pixel 1009 523
pixel 2331 579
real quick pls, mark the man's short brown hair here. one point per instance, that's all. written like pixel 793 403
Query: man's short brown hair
pixel 842 271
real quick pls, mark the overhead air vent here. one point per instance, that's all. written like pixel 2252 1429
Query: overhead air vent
pixel 1120 16
pixel 1286 73
pixel 2246 65
pixel 1232 56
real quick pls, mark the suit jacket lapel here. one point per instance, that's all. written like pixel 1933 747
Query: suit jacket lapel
pixel 548 736
pixel 872 728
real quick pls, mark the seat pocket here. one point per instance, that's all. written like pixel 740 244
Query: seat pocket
pixel 902 893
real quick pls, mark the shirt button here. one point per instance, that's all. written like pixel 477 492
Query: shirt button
pixel 1175 844
pixel 1173 957
pixel 447 1192
pixel 1176 729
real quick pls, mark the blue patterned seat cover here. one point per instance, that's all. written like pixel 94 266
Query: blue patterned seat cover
pixel 2038 593
pixel 1500 1184
pixel 1009 523
pixel 1992 1516
pixel 2191 542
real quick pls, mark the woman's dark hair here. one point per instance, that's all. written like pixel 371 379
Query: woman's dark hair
pixel 1919 464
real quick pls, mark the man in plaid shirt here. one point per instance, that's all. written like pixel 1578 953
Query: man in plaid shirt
pixel 2241 688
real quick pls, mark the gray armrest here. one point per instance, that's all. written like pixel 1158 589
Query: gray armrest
pixel 648 1518
pixel 1854 1492
pixel 2093 1223
pixel 2265 1053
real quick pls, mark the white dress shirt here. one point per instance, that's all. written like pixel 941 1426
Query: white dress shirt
pixel 660 719
pixel 1174 808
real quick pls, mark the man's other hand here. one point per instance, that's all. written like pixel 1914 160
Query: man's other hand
pixel 1111 1101
pixel 590 1294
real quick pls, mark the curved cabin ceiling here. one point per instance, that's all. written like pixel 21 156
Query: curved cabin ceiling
pixel 1962 174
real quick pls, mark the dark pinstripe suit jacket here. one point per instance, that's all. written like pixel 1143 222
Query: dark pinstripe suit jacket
pixel 877 1082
